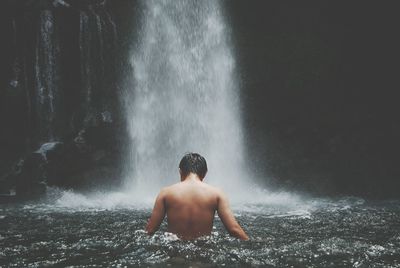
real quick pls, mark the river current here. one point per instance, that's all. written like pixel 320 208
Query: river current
pixel 346 232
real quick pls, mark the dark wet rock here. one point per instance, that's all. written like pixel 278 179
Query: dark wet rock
pixel 30 178
pixel 62 3
pixel 49 148
pixel 82 161
pixel 90 158
pixel 60 85
pixel 49 4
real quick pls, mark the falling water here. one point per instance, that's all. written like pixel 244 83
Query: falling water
pixel 184 96
pixel 97 37
pixel 84 33
pixel 46 76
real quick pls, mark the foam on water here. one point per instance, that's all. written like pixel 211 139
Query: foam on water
pixel 263 202
pixel 96 200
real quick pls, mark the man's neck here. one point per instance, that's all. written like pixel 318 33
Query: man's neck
pixel 191 177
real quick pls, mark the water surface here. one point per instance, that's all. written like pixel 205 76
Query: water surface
pixel 347 232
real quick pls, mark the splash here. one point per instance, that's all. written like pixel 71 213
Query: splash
pixel 264 203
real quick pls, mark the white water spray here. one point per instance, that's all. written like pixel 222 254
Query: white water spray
pixel 185 97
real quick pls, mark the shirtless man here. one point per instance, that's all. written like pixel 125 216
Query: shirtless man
pixel 191 204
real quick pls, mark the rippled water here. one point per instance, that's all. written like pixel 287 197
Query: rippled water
pixel 313 233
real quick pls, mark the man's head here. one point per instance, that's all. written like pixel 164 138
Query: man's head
pixel 193 163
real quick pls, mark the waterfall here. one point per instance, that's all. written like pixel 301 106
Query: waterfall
pixel 84 48
pixel 184 98
pixel 97 45
pixel 97 37
pixel 46 78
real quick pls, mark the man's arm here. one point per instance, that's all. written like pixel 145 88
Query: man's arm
pixel 157 215
pixel 228 219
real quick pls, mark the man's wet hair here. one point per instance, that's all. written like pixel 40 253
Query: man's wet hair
pixel 195 163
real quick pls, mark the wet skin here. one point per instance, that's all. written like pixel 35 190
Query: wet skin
pixel 190 207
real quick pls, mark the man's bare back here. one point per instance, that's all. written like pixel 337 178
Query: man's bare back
pixel 190 207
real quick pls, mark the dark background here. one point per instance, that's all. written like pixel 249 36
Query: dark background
pixel 318 81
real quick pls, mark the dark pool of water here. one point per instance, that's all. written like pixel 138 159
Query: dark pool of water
pixel 336 233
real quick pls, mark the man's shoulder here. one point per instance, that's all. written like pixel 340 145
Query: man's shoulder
pixel 169 189
pixel 179 188
pixel 213 189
